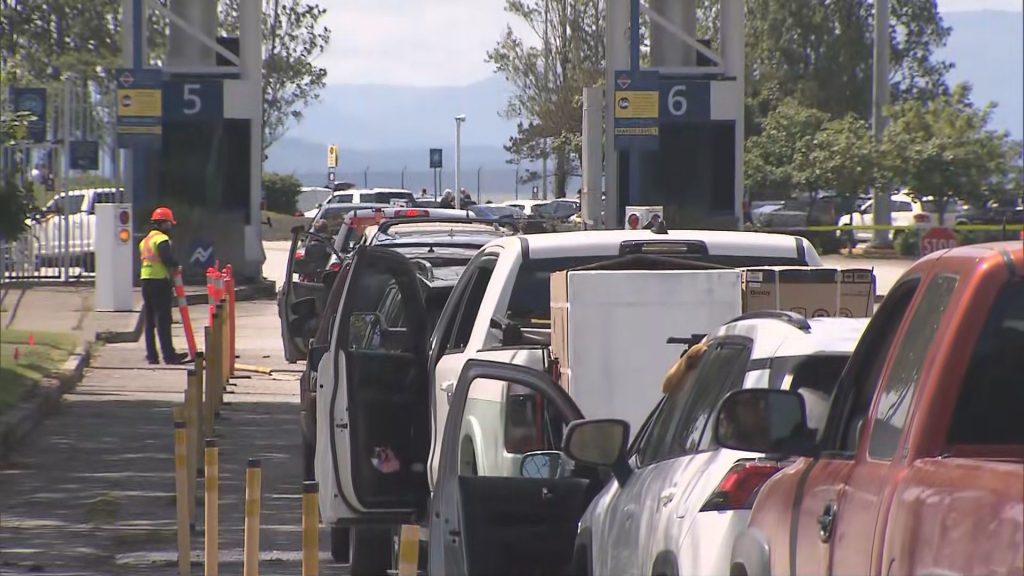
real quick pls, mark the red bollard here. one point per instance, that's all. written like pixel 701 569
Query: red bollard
pixel 210 292
pixel 186 320
pixel 229 288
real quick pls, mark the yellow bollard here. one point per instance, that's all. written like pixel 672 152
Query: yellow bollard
pixel 310 529
pixel 210 403
pixel 212 543
pixel 409 550
pixel 251 547
pixel 201 432
pixel 181 495
pixel 192 437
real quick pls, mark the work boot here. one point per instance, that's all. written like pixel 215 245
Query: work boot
pixel 153 360
pixel 177 358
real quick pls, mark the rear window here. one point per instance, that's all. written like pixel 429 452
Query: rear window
pixel 340 199
pixel 530 302
pixel 387 197
pixel 902 207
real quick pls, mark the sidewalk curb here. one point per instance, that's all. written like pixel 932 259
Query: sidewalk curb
pixel 16 425
pixel 249 292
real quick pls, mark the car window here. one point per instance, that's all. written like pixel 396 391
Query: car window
pixel 371 304
pixel 340 199
pixel 901 381
pixel 105 197
pixel 898 206
pixel 69 204
pixel 469 306
pixel 682 420
pixel 988 409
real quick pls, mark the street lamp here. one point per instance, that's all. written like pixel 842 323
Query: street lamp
pixel 458 160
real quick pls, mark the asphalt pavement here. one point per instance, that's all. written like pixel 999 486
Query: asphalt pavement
pixel 92 492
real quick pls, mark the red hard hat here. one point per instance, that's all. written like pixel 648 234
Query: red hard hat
pixel 163 214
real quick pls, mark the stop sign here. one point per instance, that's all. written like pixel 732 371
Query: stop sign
pixel 936 239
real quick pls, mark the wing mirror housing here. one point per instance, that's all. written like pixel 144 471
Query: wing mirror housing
pixel 511 333
pixel 764 420
pixel 547 464
pixel 599 442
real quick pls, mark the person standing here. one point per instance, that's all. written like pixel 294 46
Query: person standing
pixel 155 274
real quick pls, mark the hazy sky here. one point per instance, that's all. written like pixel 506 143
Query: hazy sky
pixel 443 42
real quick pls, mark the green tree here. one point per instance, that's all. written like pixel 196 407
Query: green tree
pixel 943 150
pixel 771 168
pixel 281 192
pixel 293 39
pixel 548 84
pixel 842 158
pixel 16 199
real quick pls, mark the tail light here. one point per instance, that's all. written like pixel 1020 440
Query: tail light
pixel 740 486
pixel 412 213
pixel 922 218
pixel 335 266
pixel 300 254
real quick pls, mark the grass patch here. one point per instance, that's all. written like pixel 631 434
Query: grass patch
pixel 280 225
pixel 50 351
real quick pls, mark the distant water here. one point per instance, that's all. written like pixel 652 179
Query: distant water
pixel 494 184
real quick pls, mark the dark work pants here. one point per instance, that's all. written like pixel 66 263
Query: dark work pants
pixel 156 298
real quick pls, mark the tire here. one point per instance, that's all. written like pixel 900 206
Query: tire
pixel 340 543
pixel 371 550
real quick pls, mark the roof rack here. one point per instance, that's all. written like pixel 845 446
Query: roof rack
pixel 792 318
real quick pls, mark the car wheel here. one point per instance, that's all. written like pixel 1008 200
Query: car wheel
pixel 340 543
pixel 370 550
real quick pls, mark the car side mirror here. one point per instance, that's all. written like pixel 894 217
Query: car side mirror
pixel 547 464
pixel 764 420
pixel 599 442
pixel 511 332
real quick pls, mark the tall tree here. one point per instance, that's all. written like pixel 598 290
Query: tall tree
pixel 548 84
pixel 293 38
pixel 943 150
pixel 842 158
pixel 772 163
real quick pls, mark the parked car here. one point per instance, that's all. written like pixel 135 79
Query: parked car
pixel 679 500
pixel 395 197
pixel 65 230
pixel 919 468
pixel 497 211
pixel 499 311
pixel 905 211
pixel 994 212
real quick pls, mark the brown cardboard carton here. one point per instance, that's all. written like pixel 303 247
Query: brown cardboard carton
pixel 857 293
pixel 810 292
pixel 560 323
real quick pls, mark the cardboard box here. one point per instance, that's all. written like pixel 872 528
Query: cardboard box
pixel 810 292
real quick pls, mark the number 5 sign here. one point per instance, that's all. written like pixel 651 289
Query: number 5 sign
pixel 193 100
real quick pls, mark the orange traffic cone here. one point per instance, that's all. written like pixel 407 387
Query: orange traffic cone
pixel 31 339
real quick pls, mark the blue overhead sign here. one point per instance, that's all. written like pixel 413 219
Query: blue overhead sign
pixel 684 100
pixel 636 102
pixel 435 158
pixel 193 100
pixel 139 106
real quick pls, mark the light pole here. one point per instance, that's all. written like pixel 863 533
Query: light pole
pixel 458 160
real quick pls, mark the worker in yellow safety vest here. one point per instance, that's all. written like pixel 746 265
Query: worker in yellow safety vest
pixel 157 266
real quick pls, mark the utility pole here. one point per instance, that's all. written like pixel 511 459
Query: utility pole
pixel 880 207
pixel 547 79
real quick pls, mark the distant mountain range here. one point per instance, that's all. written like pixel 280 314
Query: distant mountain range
pixel 386 128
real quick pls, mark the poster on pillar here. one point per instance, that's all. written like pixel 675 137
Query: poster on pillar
pixel 139 107
pixel 636 110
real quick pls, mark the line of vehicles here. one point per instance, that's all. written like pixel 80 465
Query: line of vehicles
pixel 778 444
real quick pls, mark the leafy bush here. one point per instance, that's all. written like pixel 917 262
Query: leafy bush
pixel 281 192
pixel 905 242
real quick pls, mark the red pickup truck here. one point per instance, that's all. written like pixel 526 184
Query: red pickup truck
pixel 919 468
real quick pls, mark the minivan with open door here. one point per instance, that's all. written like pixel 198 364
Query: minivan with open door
pixel 306 256
pixel 372 402
pixel 521 520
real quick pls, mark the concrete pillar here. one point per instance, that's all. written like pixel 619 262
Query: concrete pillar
pixel 182 48
pixel 666 48
pixel 733 32
pixel 617 58
pixel 251 56
pixel 591 195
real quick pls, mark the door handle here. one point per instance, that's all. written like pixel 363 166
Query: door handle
pixel 667 497
pixel 448 387
pixel 826 522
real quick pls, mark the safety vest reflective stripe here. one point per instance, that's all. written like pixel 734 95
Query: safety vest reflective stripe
pixel 152 266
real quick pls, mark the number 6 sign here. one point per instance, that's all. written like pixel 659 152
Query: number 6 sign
pixel 677 100
pixel 684 100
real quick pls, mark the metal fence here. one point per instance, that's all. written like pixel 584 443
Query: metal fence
pixel 56 247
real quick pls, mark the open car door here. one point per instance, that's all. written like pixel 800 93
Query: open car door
pixel 299 318
pixel 376 401
pixel 519 522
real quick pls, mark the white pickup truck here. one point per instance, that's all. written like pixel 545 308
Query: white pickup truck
pixel 383 392
pixel 65 232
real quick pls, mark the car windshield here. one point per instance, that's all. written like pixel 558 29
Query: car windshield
pixel 494 211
